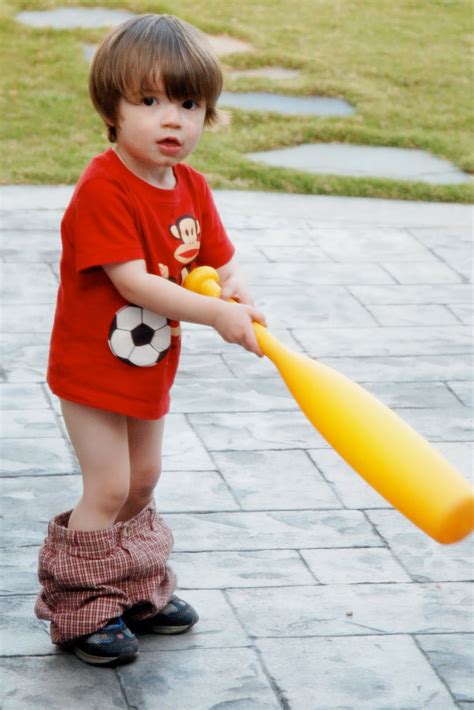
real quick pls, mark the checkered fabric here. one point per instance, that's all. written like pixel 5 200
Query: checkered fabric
pixel 89 578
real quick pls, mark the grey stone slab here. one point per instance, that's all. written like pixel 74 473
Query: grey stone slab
pixel 248 250
pixel 354 566
pixel 461 260
pixel 242 364
pixel 20 285
pixel 193 491
pixel 320 306
pixel 56 683
pixel 350 488
pixel 44 198
pixel 413 394
pixel 223 570
pixel 293 254
pixel 182 450
pixel 25 357
pixel 421 368
pixel 218 626
pixel 30 220
pixel 254 431
pixel 425 559
pixel 38 498
pixel 355 609
pixel 21 632
pixel 17 396
pixel 208 366
pixel 408 315
pixel 271 531
pixel 36 457
pixel 224 44
pixel 284 104
pixel 414 294
pixel 273 73
pixel 372 672
pixel 445 235
pixel 455 425
pixel 365 161
pixel 29 423
pixel 421 272
pixel 65 18
pixel 361 245
pixel 187 680
pixel 460 454
pixel 256 394
pixel 464 391
pixel 463 311
pixel 275 480
pixel 290 274
pixel 29 318
pixel 19 572
pixel 452 656
pixel 30 247
pixel 386 341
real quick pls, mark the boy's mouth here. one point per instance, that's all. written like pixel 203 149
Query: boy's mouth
pixel 169 145
pixel 170 141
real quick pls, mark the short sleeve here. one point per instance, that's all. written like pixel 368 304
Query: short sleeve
pixel 216 248
pixel 105 230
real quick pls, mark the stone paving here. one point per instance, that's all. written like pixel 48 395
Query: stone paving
pixel 313 593
pixel 363 161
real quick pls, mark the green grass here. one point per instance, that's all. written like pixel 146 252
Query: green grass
pixel 405 65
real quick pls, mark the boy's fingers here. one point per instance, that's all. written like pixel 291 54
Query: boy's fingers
pixel 259 317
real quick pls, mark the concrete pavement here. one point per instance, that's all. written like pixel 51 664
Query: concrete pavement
pixel 313 593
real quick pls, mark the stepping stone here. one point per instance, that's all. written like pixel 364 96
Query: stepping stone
pixel 365 161
pixel 223 44
pixel 273 73
pixel 280 103
pixel 65 18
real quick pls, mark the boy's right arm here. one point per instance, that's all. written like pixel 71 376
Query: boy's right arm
pixel 233 321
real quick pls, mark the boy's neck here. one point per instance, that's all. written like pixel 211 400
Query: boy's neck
pixel 163 178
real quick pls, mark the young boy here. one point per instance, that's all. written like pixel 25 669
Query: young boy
pixel 138 221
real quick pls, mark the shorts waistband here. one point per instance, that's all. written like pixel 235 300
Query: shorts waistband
pixel 99 540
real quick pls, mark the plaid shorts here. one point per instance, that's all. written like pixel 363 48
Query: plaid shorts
pixel 89 578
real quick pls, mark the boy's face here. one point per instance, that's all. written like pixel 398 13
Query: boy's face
pixel 158 133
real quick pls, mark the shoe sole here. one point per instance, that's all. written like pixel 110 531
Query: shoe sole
pixel 103 661
pixel 171 630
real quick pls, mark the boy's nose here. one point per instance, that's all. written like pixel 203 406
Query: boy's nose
pixel 171 115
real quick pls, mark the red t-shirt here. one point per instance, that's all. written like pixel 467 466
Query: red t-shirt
pixel 105 352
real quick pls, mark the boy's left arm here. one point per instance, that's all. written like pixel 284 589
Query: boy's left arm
pixel 233 283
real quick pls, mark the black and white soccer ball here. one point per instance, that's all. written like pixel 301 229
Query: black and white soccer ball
pixel 139 337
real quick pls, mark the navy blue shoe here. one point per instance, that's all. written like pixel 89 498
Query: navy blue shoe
pixel 112 645
pixel 177 617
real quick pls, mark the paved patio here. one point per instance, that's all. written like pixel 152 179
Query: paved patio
pixel 313 592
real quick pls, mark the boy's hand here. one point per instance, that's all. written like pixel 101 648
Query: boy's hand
pixel 233 322
pixel 235 287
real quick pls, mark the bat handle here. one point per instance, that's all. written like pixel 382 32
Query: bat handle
pixel 205 280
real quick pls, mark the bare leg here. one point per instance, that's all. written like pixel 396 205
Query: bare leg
pixel 100 440
pixel 144 443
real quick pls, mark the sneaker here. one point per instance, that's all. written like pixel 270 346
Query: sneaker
pixel 112 645
pixel 177 617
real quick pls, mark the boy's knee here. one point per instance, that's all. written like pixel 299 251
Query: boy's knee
pixel 109 498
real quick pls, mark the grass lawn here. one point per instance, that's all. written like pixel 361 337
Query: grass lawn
pixel 405 65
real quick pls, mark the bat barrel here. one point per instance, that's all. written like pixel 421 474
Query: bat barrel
pixel 382 448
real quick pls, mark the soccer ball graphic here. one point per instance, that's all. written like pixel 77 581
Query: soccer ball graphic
pixel 139 337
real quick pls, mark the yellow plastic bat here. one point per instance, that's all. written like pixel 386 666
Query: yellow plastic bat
pixel 380 446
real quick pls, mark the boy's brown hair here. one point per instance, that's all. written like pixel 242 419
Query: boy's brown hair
pixel 138 53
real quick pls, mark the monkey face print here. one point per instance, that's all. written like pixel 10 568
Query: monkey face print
pixel 187 230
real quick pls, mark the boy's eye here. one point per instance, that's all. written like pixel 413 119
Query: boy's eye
pixel 190 104
pixel 149 100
